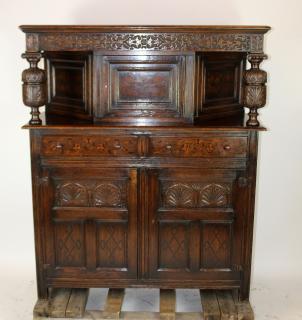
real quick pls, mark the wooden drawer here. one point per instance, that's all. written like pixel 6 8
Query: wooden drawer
pixel 89 145
pixel 198 147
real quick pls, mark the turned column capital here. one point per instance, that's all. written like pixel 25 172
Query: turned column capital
pixel 34 91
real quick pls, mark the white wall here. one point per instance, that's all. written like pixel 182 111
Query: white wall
pixel 278 232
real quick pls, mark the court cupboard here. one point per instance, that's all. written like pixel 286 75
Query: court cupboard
pixel 144 163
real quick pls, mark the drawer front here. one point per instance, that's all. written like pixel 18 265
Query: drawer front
pixel 198 147
pixel 89 146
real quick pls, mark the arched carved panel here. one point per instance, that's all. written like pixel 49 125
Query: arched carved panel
pixel 107 195
pixel 71 194
pixel 179 195
pixel 214 195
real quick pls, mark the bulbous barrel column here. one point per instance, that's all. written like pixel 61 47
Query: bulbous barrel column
pixel 255 88
pixel 34 90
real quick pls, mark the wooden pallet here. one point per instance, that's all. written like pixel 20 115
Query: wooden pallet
pixel 71 303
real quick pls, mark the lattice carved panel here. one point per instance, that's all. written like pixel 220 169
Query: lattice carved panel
pixel 112 245
pixel 173 245
pixel 69 241
pixel 216 246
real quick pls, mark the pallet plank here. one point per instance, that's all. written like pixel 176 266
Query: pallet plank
pixel 226 304
pixel 167 304
pixel 58 302
pixel 41 308
pixel 77 303
pixel 244 311
pixel 113 304
pixel 188 316
pixel 210 306
pixel 137 315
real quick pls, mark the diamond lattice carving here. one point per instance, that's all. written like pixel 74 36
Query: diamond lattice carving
pixel 112 241
pixel 216 246
pixel 173 245
pixel 69 245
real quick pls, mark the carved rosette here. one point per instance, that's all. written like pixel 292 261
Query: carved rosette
pixel 34 90
pixel 255 88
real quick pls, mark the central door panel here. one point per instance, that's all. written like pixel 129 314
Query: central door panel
pixel 194 220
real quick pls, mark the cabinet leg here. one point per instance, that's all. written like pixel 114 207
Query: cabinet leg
pixel 43 292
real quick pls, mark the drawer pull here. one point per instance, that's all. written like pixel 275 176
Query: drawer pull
pixel 59 146
pixel 227 147
pixel 168 147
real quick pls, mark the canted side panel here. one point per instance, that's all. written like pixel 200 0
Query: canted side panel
pixel 112 245
pixel 69 244
pixel 219 83
pixel 69 84
pixel 173 245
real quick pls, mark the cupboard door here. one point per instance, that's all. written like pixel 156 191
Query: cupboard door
pixel 91 222
pixel 195 224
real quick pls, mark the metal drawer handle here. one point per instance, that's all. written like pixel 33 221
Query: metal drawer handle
pixel 227 147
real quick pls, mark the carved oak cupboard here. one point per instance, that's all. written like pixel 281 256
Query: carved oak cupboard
pixel 143 165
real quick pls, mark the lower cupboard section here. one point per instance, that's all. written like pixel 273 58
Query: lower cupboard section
pixel 181 228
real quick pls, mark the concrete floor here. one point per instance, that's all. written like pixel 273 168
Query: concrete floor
pixel 276 299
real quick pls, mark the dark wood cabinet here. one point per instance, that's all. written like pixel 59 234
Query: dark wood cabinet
pixel 144 166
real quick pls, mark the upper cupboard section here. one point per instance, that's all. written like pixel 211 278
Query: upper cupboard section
pixel 144 88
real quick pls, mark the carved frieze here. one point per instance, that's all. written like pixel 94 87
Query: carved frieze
pixel 172 41
pixel 195 195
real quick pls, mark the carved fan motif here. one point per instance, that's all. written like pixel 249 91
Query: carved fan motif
pixel 108 195
pixel 179 195
pixel 72 194
pixel 214 195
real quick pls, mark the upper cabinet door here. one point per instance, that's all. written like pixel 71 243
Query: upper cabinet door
pixel 143 89
pixel 195 224
pixel 91 218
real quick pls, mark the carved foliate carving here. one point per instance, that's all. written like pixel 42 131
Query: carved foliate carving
pixel 90 194
pixel 255 88
pixel 149 41
pixel 196 195
pixel 34 90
